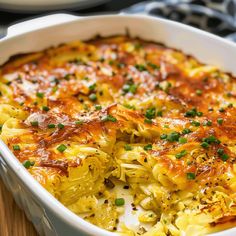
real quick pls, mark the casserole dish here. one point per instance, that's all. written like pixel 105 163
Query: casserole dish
pixel 48 215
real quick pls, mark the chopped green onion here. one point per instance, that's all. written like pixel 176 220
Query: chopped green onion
pixel 140 67
pixel 127 147
pixel 182 140
pixel 148 121
pixel 174 136
pixel 181 154
pixel 163 136
pixel 204 145
pixel 222 154
pixel 220 151
pixel 193 112
pixel 150 113
pixel 131 107
pixel 221 109
pixel 220 121
pixel 27 164
pixel 79 122
pixel 154 66
pixel 224 157
pixel 207 123
pixel 61 148
pixel 108 118
pixel 92 87
pixel 34 123
pixel 159 113
pixel 98 107
pixel 211 139
pixel 191 176
pixel 119 201
pixel 199 92
pixel 16 147
pixel 45 108
pixel 195 123
pixel 51 126
pixel 148 147
pixel 40 95
pixel 93 97
pixel 60 126
pixel 186 131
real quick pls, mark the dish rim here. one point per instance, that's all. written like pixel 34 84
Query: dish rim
pixel 38 191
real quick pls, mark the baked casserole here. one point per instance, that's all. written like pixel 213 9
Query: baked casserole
pixel 110 119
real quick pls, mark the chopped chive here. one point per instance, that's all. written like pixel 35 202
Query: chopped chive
pixel 211 139
pixel 61 148
pixel 93 97
pixel 140 67
pixel 34 123
pixel 191 176
pixel 221 109
pixel 54 89
pixel 199 92
pixel 132 88
pixel 79 122
pixel 181 154
pixel 92 87
pixel 163 136
pixel 150 113
pixel 174 136
pixel 199 113
pixel 222 154
pixel 182 140
pixel 186 131
pixel 230 105
pixel 224 157
pixel 119 201
pixel 127 147
pixel 220 121
pixel 60 126
pixel 131 107
pixel 204 145
pixel 45 108
pixel 148 121
pixel 159 113
pixel 147 147
pixel 0 127
pixel 51 126
pixel 98 107
pixel 40 95
pixel 191 113
pixel 220 151
pixel 16 147
pixel 207 123
pixel 154 66
pixel 108 118
pixel 26 164
pixel 195 123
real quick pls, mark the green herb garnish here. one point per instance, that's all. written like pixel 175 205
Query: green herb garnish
pixel 61 148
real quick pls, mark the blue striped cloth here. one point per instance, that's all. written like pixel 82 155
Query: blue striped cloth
pixel 215 16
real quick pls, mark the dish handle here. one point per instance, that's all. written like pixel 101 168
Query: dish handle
pixel 38 23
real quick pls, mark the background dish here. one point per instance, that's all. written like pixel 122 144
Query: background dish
pixel 42 5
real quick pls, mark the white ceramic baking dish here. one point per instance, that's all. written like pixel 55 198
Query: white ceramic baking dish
pixel 48 215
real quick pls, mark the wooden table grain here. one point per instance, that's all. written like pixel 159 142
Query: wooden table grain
pixel 13 221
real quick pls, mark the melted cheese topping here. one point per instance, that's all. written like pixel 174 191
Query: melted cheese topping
pixel 87 116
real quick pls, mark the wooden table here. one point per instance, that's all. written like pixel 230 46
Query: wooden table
pixel 13 221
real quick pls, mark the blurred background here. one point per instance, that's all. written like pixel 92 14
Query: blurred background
pixel 215 16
